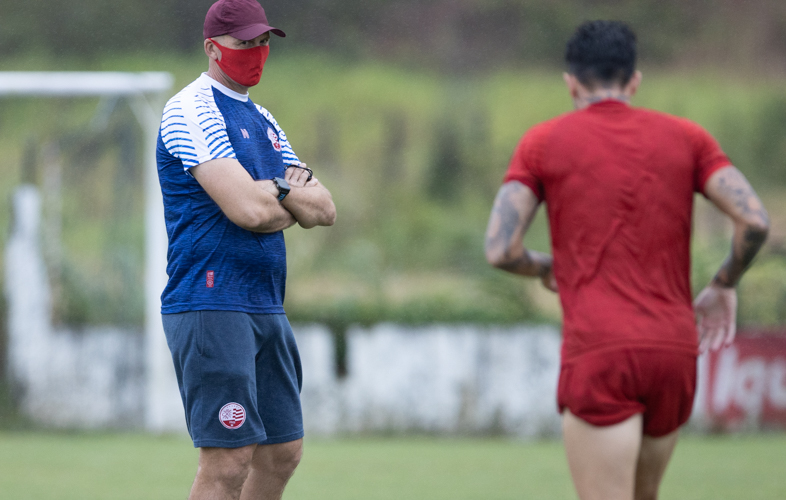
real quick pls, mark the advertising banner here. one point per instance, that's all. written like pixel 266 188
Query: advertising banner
pixel 743 387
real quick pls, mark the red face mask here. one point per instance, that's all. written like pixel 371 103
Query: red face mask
pixel 244 66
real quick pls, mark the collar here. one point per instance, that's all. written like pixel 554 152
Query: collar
pixel 223 88
pixel 609 104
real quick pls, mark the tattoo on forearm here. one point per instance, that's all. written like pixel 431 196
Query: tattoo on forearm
pixel 741 257
pixel 733 186
pixel 516 265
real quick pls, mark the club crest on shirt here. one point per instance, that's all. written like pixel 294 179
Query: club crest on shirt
pixel 273 136
pixel 232 415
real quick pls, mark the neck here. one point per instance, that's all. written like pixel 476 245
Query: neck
pixel 602 94
pixel 214 72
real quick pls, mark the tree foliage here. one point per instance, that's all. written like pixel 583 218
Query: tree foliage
pixel 452 35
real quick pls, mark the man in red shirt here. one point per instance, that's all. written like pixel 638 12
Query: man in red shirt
pixel 618 183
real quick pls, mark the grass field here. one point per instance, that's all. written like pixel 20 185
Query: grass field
pixel 43 466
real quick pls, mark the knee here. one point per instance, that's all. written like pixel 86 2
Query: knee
pixel 649 492
pixel 281 459
pixel 646 489
pixel 288 458
pixel 226 466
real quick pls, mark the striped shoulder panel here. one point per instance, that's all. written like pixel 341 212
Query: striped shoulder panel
pixel 192 127
pixel 290 158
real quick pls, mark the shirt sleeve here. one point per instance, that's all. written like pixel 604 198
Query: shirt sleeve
pixel 288 154
pixel 525 164
pixel 194 131
pixel 707 153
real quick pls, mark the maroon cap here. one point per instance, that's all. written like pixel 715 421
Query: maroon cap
pixel 242 19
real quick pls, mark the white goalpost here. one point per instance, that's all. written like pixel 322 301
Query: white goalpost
pixel 145 92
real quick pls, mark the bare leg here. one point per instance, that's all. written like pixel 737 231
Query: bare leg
pixel 653 458
pixel 221 473
pixel 602 460
pixel 271 468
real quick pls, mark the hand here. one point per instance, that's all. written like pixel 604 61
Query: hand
pixel 545 262
pixel 549 281
pixel 716 313
pixel 298 175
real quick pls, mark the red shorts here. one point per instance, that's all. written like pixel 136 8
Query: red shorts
pixel 609 386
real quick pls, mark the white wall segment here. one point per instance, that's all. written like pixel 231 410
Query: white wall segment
pixel 441 379
pixel 445 379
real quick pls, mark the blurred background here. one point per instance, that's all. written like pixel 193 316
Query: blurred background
pixel 408 111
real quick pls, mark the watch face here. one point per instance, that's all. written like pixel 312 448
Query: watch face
pixel 282 184
pixel 283 187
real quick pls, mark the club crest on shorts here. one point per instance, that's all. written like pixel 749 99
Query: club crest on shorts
pixel 273 136
pixel 232 415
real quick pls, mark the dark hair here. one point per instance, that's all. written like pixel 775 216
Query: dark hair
pixel 602 53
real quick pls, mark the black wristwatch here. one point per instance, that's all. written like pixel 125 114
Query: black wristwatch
pixel 283 187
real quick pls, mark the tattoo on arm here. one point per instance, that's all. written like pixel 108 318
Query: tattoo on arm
pixel 507 217
pixel 514 209
pixel 741 257
pixel 734 195
pixel 734 187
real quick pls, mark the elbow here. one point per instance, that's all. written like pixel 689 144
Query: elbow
pixel 495 257
pixel 514 259
pixel 761 221
pixel 750 236
pixel 326 218
pixel 330 216
pixel 757 233
pixel 307 224
pixel 762 226
pixel 757 228
pixel 251 219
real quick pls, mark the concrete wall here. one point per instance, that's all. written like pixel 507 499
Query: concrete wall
pixel 451 379
pixel 446 379
pixel 63 377
pixel 438 378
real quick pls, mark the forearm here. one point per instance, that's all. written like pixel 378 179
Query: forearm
pixel 277 218
pixel 525 263
pixel 262 213
pixel 746 243
pixel 311 206
pixel 730 192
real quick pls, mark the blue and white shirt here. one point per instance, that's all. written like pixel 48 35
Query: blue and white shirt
pixel 212 263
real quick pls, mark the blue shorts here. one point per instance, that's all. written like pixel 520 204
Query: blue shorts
pixel 239 376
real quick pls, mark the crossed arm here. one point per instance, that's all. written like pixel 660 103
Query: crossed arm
pixel 254 205
pixel 514 209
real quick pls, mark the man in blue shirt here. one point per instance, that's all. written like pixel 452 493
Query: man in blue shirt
pixel 231 184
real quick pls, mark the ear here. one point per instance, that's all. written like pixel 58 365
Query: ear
pixel 633 84
pixel 212 51
pixel 572 83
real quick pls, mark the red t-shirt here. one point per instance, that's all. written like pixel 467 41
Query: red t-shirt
pixel 618 183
